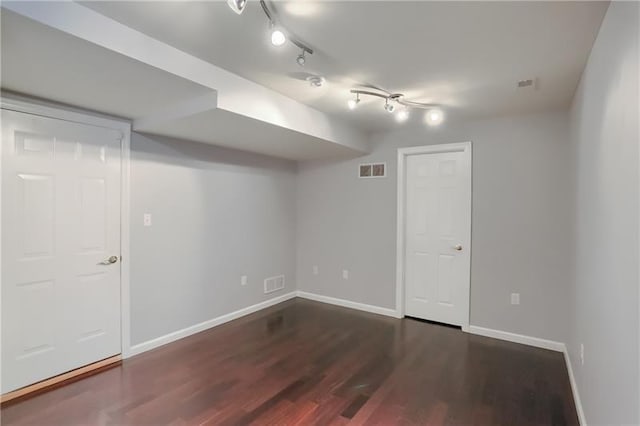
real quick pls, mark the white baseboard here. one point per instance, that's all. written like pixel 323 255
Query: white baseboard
pixel 348 304
pixel 176 335
pixel 574 388
pixel 517 338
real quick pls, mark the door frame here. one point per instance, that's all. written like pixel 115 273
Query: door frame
pixel 47 109
pixel 403 153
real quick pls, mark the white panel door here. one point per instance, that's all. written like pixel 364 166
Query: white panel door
pixel 437 232
pixel 60 226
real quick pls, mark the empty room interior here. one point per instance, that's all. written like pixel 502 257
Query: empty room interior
pixel 311 212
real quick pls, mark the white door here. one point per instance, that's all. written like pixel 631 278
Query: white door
pixel 60 226
pixel 437 235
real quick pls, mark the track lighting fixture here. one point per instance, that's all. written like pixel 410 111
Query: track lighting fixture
pixel 301 60
pixel 392 101
pixel 433 117
pixel 237 5
pixel 353 103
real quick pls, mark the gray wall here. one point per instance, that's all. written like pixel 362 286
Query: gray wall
pixel 217 214
pixel 521 222
pixel 604 123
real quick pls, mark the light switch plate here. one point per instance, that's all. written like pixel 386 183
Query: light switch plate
pixel 345 274
pixel 315 270
pixel 147 219
pixel 515 298
pixel 243 280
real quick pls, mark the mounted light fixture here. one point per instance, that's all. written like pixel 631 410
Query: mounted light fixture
pixel 277 36
pixel 301 59
pixel 316 80
pixel 237 5
pixel 434 114
pixel 388 107
pixel 353 103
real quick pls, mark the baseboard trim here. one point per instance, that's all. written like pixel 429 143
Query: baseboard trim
pixel 574 388
pixel 348 304
pixel 197 328
pixel 517 338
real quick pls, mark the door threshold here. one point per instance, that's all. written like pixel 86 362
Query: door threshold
pixel 61 379
pixel 444 324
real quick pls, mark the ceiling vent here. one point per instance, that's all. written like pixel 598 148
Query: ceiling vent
pixel 525 83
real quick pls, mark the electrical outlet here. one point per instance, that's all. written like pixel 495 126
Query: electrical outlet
pixel 581 353
pixel 315 270
pixel 345 274
pixel 243 280
pixel 515 298
pixel 147 219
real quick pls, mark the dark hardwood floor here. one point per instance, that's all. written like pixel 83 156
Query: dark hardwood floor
pixel 303 362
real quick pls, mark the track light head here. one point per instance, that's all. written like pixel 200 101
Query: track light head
pixel 353 103
pixel 237 5
pixel 277 36
pixel 301 59
pixel 389 107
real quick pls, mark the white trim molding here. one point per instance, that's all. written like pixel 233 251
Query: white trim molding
pixel 574 387
pixel 205 325
pixel 348 304
pixel 517 338
pixel 403 153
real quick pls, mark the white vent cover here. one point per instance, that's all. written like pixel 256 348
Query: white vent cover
pixel 274 284
pixel 372 170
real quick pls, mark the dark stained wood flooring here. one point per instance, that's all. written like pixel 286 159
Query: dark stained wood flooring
pixel 302 362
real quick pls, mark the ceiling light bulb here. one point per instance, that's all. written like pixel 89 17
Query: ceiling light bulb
pixel 434 117
pixel 402 115
pixel 237 5
pixel 389 107
pixel 353 103
pixel 277 37
pixel 301 60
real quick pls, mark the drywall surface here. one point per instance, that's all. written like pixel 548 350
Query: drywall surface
pixel 520 226
pixel 605 138
pixel 217 214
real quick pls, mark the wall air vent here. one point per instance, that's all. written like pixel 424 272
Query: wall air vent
pixel 372 170
pixel 273 284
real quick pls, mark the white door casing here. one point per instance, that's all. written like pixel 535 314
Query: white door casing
pixel 61 214
pixel 434 233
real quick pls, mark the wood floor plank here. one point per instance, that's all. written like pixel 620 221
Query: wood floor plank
pixel 306 363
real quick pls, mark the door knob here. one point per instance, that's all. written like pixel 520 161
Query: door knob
pixel 110 260
pixel 458 247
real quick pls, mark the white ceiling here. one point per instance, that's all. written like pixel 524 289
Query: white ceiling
pixel 465 56
pixel 40 61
